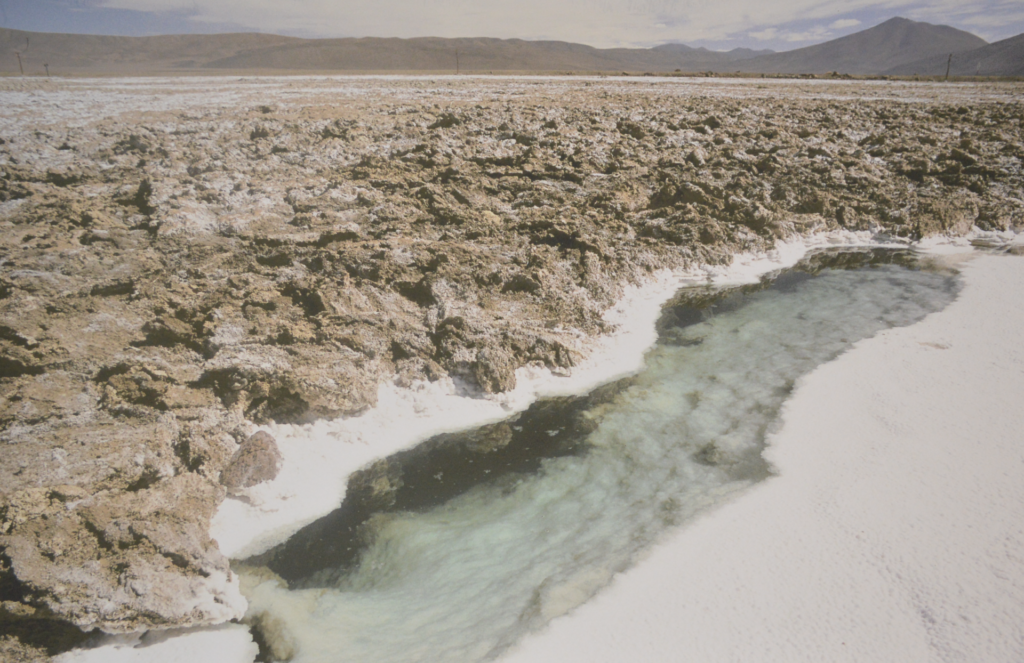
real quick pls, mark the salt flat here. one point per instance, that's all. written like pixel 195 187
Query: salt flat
pixel 188 259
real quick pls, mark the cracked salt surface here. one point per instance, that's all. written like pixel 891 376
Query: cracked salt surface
pixel 71 103
pixel 464 581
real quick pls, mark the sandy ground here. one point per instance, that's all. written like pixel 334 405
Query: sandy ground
pixel 894 529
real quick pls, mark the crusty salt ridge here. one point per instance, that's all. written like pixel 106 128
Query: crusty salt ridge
pixel 319 457
pixel 894 528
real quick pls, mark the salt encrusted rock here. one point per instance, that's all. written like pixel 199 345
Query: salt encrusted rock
pixel 952 215
pixel 494 371
pixel 257 460
pixel 119 561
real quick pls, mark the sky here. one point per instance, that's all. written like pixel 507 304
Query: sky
pixel 716 24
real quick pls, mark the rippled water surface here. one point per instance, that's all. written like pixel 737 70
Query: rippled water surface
pixel 452 551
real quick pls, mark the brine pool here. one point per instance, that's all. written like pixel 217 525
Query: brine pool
pixel 452 551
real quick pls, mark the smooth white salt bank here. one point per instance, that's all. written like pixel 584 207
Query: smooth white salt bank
pixel 893 531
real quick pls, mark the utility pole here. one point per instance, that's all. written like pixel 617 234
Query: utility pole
pixel 949 63
pixel 20 66
pixel 47 67
pixel 456 61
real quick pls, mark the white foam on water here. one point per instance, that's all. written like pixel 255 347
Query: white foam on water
pixel 465 581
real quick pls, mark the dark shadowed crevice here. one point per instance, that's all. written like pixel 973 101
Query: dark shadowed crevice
pixel 10 588
pixel 52 636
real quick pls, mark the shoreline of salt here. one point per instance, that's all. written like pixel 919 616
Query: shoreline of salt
pixel 319 457
pixel 277 509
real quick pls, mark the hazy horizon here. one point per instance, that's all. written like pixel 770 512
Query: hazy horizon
pixel 720 25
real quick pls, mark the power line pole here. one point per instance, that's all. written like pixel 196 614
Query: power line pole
pixel 456 61
pixel 20 66
pixel 949 63
pixel 47 67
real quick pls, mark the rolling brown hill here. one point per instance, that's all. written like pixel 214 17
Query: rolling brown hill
pixel 70 53
pixel 873 51
pixel 91 54
pixel 1001 58
pixel 481 54
pixel 897 46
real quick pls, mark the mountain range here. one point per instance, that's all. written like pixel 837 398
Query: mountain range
pixel 876 50
pixel 897 46
pixel 1002 58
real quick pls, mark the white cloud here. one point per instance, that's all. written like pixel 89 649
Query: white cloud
pixel 764 35
pixel 791 36
pixel 844 23
pixel 814 34
pixel 597 22
pixel 991 21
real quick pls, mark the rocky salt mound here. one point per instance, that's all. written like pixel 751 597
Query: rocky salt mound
pixel 184 258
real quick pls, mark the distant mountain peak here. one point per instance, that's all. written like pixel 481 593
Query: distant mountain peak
pixel 871 51
pixel 1001 58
